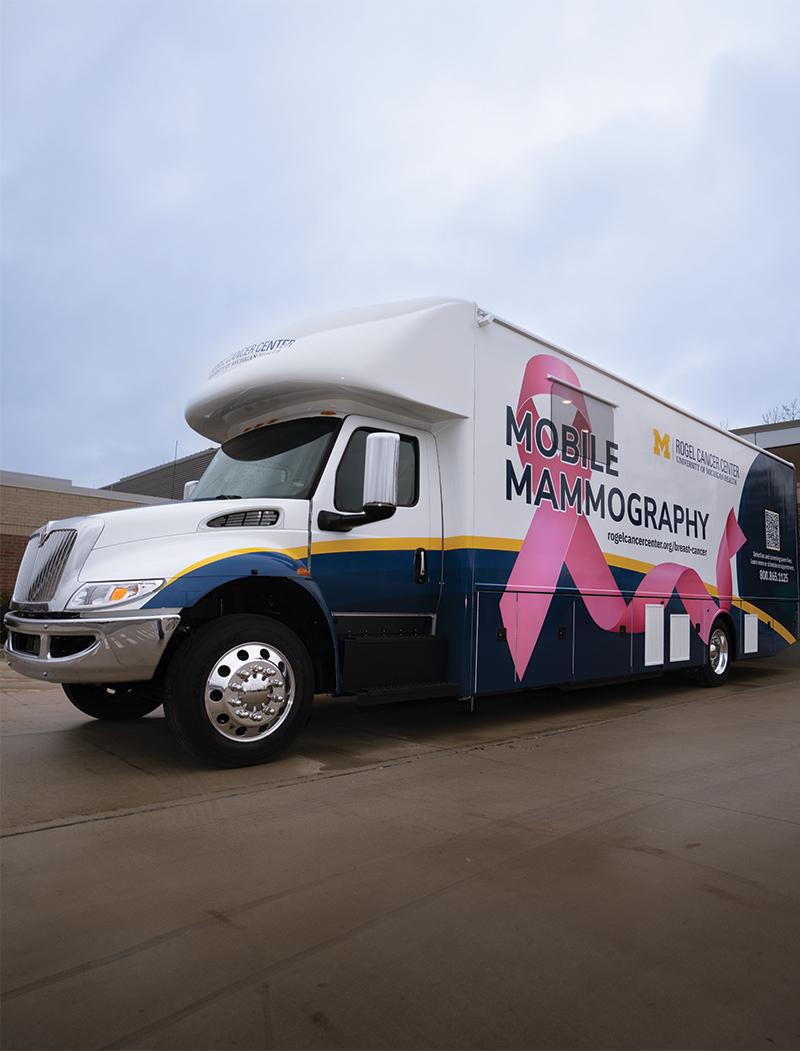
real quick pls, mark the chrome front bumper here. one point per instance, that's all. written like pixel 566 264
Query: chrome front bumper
pixel 101 649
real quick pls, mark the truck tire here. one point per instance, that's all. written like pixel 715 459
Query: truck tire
pixel 240 690
pixel 718 656
pixel 114 702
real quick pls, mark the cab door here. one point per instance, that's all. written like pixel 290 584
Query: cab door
pixel 387 567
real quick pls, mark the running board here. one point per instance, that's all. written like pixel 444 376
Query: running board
pixel 386 697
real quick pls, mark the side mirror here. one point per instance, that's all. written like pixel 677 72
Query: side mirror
pixel 381 462
pixel 188 489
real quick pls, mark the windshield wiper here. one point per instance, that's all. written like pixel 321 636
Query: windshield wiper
pixel 224 496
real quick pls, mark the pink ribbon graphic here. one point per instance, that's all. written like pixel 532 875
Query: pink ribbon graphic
pixel 557 538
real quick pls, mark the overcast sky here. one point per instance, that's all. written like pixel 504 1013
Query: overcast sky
pixel 181 178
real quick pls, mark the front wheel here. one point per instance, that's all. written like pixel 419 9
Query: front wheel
pixel 240 690
pixel 114 703
pixel 718 659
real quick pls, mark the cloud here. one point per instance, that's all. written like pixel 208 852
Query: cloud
pixel 179 180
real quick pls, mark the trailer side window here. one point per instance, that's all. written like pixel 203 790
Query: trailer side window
pixel 577 408
pixel 349 492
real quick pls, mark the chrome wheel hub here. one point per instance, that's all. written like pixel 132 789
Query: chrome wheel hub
pixel 249 692
pixel 718 651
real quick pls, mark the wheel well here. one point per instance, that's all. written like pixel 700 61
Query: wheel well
pixel 727 620
pixel 282 599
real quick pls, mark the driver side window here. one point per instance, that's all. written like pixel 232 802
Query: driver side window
pixel 349 490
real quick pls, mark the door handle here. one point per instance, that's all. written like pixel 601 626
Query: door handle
pixel 420 565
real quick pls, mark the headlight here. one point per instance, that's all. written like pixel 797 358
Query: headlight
pixel 90 596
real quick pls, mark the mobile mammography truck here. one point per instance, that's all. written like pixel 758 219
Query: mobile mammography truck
pixel 412 500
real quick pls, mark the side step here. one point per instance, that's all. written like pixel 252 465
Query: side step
pixel 378 663
pixel 387 696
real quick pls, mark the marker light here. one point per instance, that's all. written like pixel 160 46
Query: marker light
pixel 92 596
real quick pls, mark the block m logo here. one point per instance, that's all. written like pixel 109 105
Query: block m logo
pixel 661 444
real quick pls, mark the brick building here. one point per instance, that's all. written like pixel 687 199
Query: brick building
pixel 29 500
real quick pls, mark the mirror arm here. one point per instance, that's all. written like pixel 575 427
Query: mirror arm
pixel 335 522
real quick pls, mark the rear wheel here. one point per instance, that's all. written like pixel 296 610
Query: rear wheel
pixel 718 658
pixel 240 690
pixel 114 702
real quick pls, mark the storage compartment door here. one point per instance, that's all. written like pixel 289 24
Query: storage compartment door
pixel 494 668
pixel 603 644
pixel 551 663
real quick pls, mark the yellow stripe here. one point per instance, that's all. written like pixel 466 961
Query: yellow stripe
pixel 482 543
pixel 622 562
pixel 765 618
pixel 391 543
pixel 455 543
pixel 292 552
pixel 644 567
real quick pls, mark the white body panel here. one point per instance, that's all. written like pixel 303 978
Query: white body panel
pixel 677 480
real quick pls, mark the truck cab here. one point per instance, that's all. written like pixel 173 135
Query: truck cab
pixel 308 558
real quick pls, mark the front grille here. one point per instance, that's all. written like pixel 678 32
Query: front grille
pixel 42 565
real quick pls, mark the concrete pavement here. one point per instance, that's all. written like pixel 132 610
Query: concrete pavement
pixel 610 868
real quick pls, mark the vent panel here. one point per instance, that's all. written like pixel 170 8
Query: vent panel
pixel 245 519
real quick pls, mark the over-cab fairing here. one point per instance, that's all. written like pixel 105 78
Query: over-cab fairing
pixel 411 360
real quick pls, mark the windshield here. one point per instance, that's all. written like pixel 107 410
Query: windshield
pixel 284 460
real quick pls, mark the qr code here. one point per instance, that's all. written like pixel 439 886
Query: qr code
pixel 772 530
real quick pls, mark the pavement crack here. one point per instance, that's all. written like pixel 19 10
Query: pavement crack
pixel 266 1007
pixel 736 810
pixel 104 961
pixel 122 759
pixel 261 974
pixel 387 764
